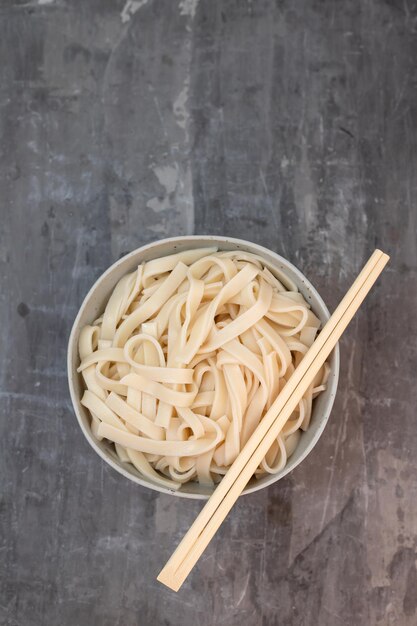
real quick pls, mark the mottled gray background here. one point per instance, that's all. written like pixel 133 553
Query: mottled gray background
pixel 292 124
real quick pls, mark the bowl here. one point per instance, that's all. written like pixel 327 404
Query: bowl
pixel 94 304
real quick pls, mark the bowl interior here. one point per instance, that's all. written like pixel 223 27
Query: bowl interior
pixel 95 302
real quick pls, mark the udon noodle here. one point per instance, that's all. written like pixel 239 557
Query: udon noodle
pixel 189 354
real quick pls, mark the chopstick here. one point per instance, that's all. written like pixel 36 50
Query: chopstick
pixel 213 513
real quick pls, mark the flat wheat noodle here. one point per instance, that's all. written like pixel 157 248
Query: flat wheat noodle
pixel 190 352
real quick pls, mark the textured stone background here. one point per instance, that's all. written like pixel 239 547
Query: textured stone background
pixel 292 124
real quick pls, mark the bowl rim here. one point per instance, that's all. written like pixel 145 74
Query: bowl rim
pixel 210 239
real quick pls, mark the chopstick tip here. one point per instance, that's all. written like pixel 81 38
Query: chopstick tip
pixel 384 254
pixel 169 581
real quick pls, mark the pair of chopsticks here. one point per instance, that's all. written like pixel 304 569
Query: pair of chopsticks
pixel 214 512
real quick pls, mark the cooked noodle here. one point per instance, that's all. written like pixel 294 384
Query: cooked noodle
pixel 189 354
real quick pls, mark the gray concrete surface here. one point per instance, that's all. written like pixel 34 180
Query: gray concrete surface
pixel 293 124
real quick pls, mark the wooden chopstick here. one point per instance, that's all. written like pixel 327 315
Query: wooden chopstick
pixel 222 500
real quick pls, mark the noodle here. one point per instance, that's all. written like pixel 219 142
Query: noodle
pixel 190 352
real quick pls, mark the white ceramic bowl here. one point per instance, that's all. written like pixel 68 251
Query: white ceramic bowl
pixel 93 306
